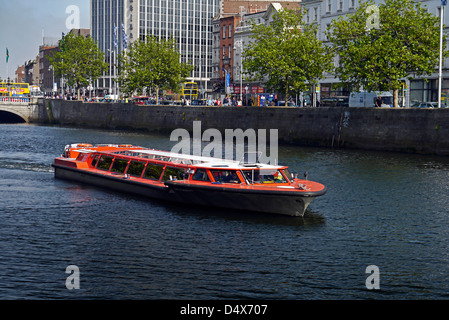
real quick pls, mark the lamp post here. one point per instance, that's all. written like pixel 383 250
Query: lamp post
pixel 440 75
pixel 62 82
pixel 110 71
pixel 239 44
pixel 53 79
pixel 226 80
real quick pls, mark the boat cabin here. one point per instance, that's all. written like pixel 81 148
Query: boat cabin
pixel 161 166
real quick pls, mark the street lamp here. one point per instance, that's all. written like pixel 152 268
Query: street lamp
pixel 226 80
pixel 62 82
pixel 239 44
pixel 110 71
pixel 443 4
pixel 53 79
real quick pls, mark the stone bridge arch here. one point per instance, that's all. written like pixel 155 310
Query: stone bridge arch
pixel 13 113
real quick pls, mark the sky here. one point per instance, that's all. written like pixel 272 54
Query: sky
pixel 22 23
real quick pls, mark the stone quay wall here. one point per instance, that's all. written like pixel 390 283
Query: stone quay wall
pixel 422 131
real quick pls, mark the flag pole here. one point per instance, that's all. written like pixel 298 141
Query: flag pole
pixel 7 64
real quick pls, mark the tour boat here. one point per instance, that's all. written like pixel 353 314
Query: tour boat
pixel 206 181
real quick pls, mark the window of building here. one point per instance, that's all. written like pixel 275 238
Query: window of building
pixel 230 31
pixel 425 91
pixel 351 4
pixel 224 32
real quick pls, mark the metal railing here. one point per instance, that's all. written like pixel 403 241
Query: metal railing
pixel 16 99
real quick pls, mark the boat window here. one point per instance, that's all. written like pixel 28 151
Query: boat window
pixel 82 156
pixel 225 176
pixel 119 165
pixel 153 172
pixel 95 160
pixel 265 176
pixel 104 163
pixel 287 174
pixel 135 168
pixel 171 173
pixel 200 175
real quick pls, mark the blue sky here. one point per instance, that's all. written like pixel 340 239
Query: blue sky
pixel 22 22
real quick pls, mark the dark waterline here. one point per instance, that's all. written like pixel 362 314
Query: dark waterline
pixel 383 209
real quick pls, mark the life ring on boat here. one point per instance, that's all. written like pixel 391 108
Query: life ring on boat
pixel 83 145
pixel 125 145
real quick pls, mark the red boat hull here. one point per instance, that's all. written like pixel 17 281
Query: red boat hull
pixel 285 203
pixel 188 179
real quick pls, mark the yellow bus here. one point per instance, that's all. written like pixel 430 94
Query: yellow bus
pixel 187 90
pixel 190 90
pixel 10 89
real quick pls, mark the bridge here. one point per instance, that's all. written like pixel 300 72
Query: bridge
pixel 17 109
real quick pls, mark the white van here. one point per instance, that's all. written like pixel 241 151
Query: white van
pixel 368 99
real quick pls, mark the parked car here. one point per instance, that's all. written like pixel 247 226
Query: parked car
pixel 368 98
pixel 289 104
pixel 435 105
pixel 422 105
pixel 200 102
pixel 337 101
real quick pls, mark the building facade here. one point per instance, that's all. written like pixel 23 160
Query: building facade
pixel 231 34
pixel 117 23
pixel 417 89
pixel 46 73
pixel 32 72
pixel 20 74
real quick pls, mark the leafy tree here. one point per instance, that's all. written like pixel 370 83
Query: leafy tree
pixel 286 54
pixel 79 60
pixel 152 64
pixel 381 45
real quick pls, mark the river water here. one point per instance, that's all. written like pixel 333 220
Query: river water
pixel 386 210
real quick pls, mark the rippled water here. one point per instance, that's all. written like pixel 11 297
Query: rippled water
pixel 383 209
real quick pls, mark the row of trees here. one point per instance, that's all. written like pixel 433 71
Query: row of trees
pixel 376 47
pixel 150 64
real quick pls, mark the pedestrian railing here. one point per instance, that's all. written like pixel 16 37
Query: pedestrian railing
pixel 15 99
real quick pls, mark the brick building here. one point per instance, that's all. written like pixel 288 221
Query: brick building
pixel 227 22
pixel 20 74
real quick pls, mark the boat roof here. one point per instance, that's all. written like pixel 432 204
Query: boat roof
pixel 202 161
pixel 188 159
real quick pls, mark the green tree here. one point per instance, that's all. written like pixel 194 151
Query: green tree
pixel 286 54
pixel 379 46
pixel 152 64
pixel 79 60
